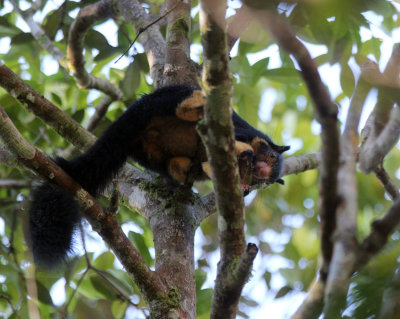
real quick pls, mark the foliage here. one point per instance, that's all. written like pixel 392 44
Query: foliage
pixel 282 221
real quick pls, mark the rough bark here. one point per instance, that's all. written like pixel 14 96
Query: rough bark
pixel 217 134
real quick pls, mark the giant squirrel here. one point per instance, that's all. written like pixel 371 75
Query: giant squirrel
pixel 158 132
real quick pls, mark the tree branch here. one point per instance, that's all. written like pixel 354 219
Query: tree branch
pixel 381 114
pixel 311 307
pixel 61 122
pixel 391 188
pixel 291 165
pixel 300 164
pixel 177 54
pixel 103 222
pixel 377 239
pixel 239 23
pixel 76 62
pixel 345 238
pixel 218 137
pixel 99 114
pixel 326 114
pixel 374 151
pixel 157 20
pixel 151 39
pixel 389 77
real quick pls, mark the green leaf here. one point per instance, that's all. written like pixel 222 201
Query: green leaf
pixel 283 292
pixel 201 277
pixel 118 308
pixel 267 277
pixel 52 22
pixel 94 39
pixel 104 261
pixel 131 81
pixel 240 66
pixel 203 304
pixel 103 287
pixel 321 30
pixel 248 302
pixel 126 34
pixel 340 26
pixel 307 242
pixel 8 31
pixel 298 16
pixel 321 59
pixel 140 244
pixel 372 46
pixel 56 99
pixel 22 38
pixel 106 53
pixel 340 50
pixel 382 7
pixel 95 288
pixel 258 70
pixel 43 294
pixel 141 58
pixel 283 75
pixel 121 280
pixel 347 80
pixel 78 115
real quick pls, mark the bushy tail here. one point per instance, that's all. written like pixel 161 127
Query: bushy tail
pixel 54 213
pixel 53 217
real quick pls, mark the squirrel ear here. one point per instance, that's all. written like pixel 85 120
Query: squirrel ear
pixel 281 149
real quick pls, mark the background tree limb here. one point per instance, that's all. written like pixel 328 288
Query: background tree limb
pixel 76 63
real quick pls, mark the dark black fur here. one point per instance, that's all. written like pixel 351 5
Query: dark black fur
pixel 54 213
pixel 244 132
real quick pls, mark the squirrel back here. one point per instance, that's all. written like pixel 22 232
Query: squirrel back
pixel 54 213
pixel 159 132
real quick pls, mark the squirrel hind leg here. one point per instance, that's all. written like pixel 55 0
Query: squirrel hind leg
pixel 192 108
pixel 179 167
pixel 53 217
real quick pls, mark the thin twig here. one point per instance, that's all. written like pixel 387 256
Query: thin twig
pixel 142 29
pixel 377 239
pixel 99 114
pixel 64 311
pixel 99 272
pixel 36 103
pixel 14 183
pixel 8 299
pixel 387 182
pixel 300 164
pixel 152 40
